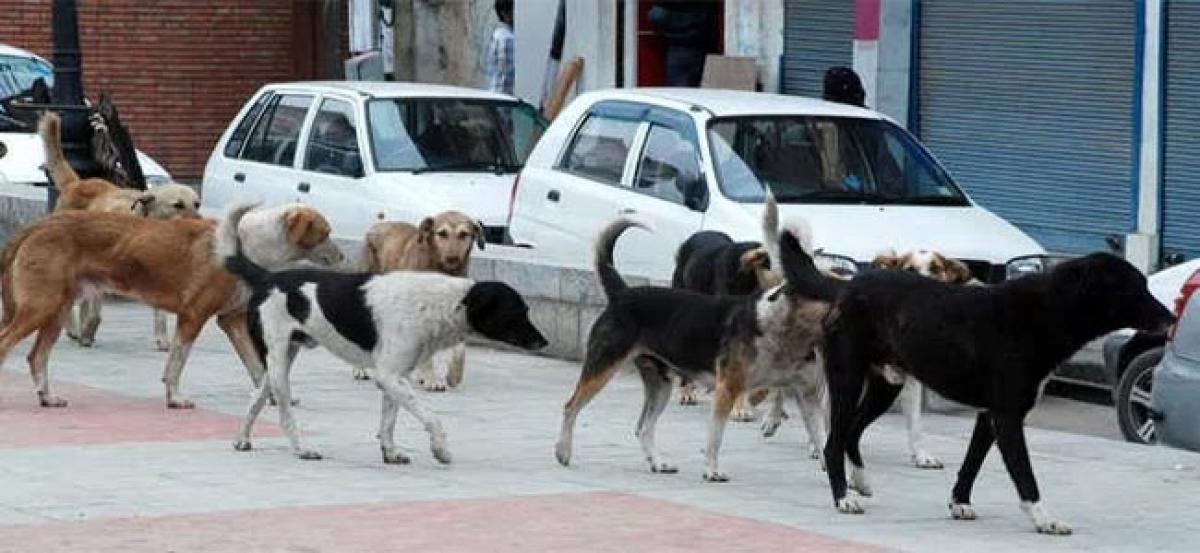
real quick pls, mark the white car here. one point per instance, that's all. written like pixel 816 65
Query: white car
pixel 684 160
pixel 363 152
pixel 21 153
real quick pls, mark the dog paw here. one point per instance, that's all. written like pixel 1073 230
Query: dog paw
pixel 52 401
pixel 688 398
pixel 814 452
pixel 741 415
pixel 1054 528
pixel 436 385
pixel 361 374
pixel 309 455
pixel 663 468
pixel 858 482
pixel 770 426
pixel 924 460
pixel 241 445
pixel 562 452
pixel 715 476
pixel 962 511
pixel 180 403
pixel 85 342
pixel 441 454
pixel 850 505
pixel 162 344
pixel 394 457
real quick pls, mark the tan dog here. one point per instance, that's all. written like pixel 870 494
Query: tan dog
pixel 168 264
pixel 927 263
pixel 171 201
pixel 441 243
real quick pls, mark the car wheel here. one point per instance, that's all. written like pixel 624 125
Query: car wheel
pixel 1133 397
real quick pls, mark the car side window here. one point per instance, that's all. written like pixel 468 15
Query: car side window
pixel 233 148
pixel 669 164
pixel 277 132
pixel 333 141
pixel 600 148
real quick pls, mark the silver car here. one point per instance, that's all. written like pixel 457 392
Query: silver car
pixel 1174 398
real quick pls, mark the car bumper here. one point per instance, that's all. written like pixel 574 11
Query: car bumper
pixel 1175 394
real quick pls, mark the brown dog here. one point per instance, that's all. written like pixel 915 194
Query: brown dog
pixel 441 243
pixel 168 264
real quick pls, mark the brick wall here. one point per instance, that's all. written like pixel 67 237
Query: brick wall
pixel 178 70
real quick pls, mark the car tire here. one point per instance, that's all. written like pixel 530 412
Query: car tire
pixel 1133 397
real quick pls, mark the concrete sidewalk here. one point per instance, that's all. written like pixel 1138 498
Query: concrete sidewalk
pixel 116 471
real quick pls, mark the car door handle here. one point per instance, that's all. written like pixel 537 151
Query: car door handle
pixel 627 211
pixel 303 187
pixel 239 177
pixel 553 195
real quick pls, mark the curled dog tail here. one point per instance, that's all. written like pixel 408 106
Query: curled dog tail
pixel 804 279
pixel 49 128
pixel 799 228
pixel 610 279
pixel 228 248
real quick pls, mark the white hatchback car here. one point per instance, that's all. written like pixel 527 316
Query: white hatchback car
pixel 21 152
pixel 684 160
pixel 362 152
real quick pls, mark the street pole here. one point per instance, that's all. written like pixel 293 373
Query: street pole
pixel 67 94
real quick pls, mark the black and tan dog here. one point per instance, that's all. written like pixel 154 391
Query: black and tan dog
pixel 990 347
pixel 742 343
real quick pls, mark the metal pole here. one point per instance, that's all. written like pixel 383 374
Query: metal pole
pixel 68 91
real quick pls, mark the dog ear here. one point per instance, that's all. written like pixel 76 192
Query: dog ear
pixel 479 238
pixel 306 228
pixel 141 206
pixel 958 271
pixel 425 230
pixel 887 259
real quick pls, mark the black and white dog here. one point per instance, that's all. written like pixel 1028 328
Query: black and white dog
pixel 389 323
pixel 988 347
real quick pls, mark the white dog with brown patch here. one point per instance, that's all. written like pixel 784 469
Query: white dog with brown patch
pixel 442 243
pixel 168 264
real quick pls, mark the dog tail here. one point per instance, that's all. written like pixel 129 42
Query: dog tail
pixel 610 279
pixel 803 277
pixel 56 163
pixel 228 248
pixel 799 228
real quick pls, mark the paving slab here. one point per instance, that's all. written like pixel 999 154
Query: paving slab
pixel 116 470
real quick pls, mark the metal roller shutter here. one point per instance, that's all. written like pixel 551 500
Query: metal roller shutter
pixel 1030 105
pixel 817 34
pixel 1181 128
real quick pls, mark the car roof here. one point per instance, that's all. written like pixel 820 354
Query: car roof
pixel 393 89
pixel 732 103
pixel 6 50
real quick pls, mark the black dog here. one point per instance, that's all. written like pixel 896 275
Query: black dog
pixel 987 347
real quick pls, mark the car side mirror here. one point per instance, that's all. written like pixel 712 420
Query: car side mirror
pixel 695 192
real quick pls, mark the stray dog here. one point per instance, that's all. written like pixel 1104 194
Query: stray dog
pixel 744 342
pixel 441 243
pixel 168 264
pixel 170 201
pixel 990 347
pixel 390 323
pixel 710 262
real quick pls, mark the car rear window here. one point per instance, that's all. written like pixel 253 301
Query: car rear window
pixel 274 137
pixel 233 148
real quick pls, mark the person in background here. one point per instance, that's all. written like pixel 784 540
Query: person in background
pixel 501 70
pixel 690 31
pixel 843 85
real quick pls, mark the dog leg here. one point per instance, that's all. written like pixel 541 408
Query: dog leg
pixel 742 412
pixel 24 321
pixel 775 413
pixel 657 383
pixel 39 358
pixel 360 373
pixel 879 396
pixel 387 421
pixel 402 390
pixel 813 400
pixel 72 325
pixel 261 395
pixel 910 403
pixel 458 361
pixel 162 342
pixel 280 355
pixel 845 368
pixel 186 330
pixel 428 378
pixel 237 329
pixel 1010 436
pixel 608 347
pixel 731 375
pixel 89 319
pixel 981 441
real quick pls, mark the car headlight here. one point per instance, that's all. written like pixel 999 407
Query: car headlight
pixel 157 180
pixel 837 264
pixel 1023 266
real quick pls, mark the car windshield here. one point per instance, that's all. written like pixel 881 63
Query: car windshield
pixel 17 74
pixel 805 159
pixel 448 134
